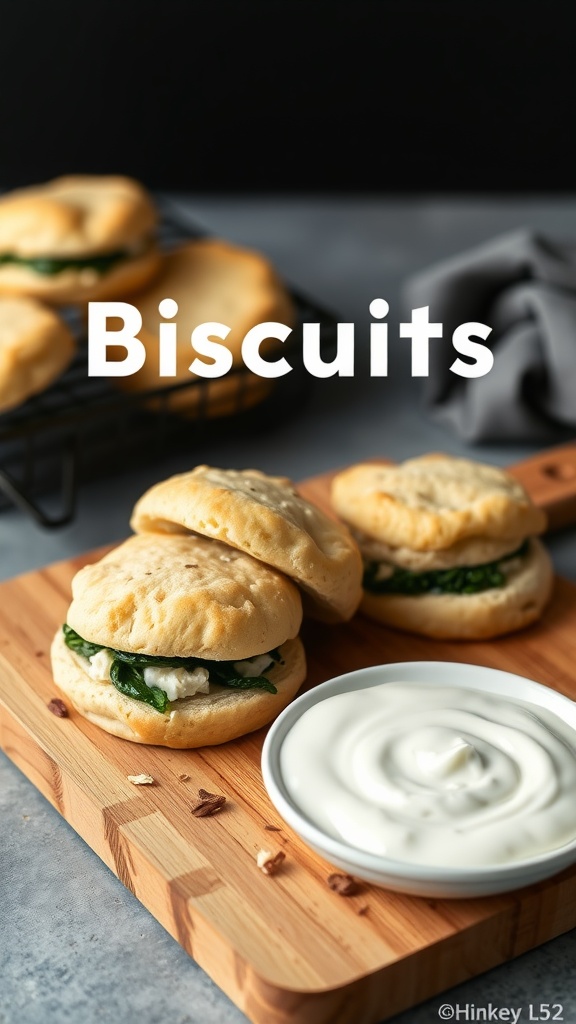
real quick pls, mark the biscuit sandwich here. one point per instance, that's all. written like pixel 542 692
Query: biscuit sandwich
pixel 211 281
pixel 180 641
pixel 36 346
pixel 450 546
pixel 77 238
pixel 266 518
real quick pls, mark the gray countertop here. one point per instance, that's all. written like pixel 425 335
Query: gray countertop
pixel 75 946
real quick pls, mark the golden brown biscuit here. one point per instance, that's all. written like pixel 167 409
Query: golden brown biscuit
pixel 480 616
pixel 435 501
pixel 77 238
pixel 35 347
pixel 443 542
pixel 173 597
pixel 197 721
pixel 265 517
pixel 211 280
pixel 183 596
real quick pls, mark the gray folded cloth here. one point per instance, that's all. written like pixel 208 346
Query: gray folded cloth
pixel 524 287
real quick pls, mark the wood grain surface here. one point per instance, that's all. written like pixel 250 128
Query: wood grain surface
pixel 284 948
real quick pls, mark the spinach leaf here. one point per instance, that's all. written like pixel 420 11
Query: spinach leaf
pixel 50 266
pixel 459 580
pixel 223 672
pixel 77 644
pixel 156 660
pixel 130 681
pixel 248 683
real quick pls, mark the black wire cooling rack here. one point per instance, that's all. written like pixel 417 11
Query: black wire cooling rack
pixel 53 441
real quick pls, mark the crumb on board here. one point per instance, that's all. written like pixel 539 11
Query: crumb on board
pixel 272 828
pixel 208 804
pixel 342 884
pixel 269 862
pixel 58 708
pixel 183 777
pixel 141 780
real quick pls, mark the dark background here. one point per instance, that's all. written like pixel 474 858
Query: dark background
pixel 291 95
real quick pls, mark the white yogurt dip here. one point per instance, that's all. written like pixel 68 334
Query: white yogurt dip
pixel 434 775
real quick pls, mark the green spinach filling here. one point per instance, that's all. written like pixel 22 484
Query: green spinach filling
pixel 49 266
pixel 459 580
pixel 127 671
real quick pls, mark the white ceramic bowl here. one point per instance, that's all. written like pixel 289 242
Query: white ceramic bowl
pixel 417 879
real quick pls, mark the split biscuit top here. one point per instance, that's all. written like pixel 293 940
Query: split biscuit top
pixel 265 517
pixel 436 502
pixel 35 347
pixel 184 596
pixel 75 216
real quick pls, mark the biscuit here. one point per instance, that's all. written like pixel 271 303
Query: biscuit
pixel 77 238
pixel 479 616
pixel 211 280
pixel 433 502
pixel 467 552
pixel 35 348
pixel 198 721
pixel 184 596
pixel 265 517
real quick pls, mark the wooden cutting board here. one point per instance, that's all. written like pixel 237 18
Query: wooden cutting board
pixel 284 948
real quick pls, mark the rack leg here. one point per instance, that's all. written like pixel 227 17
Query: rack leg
pixel 19 497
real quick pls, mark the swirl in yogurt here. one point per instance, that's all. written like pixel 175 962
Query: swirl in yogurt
pixel 434 775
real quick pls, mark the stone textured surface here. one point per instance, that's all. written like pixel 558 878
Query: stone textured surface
pixel 75 946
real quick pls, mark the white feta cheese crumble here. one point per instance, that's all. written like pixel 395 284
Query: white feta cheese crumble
pixel 384 571
pixel 100 665
pixel 177 682
pixel 253 666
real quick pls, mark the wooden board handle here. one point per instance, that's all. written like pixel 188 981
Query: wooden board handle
pixel 550 479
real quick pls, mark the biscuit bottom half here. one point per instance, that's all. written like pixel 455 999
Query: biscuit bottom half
pixel 71 285
pixel 480 616
pixel 202 720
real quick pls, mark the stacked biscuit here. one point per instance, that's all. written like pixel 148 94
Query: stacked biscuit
pixel 77 238
pixel 187 634
pixel 449 546
pixel 70 240
pixel 84 238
